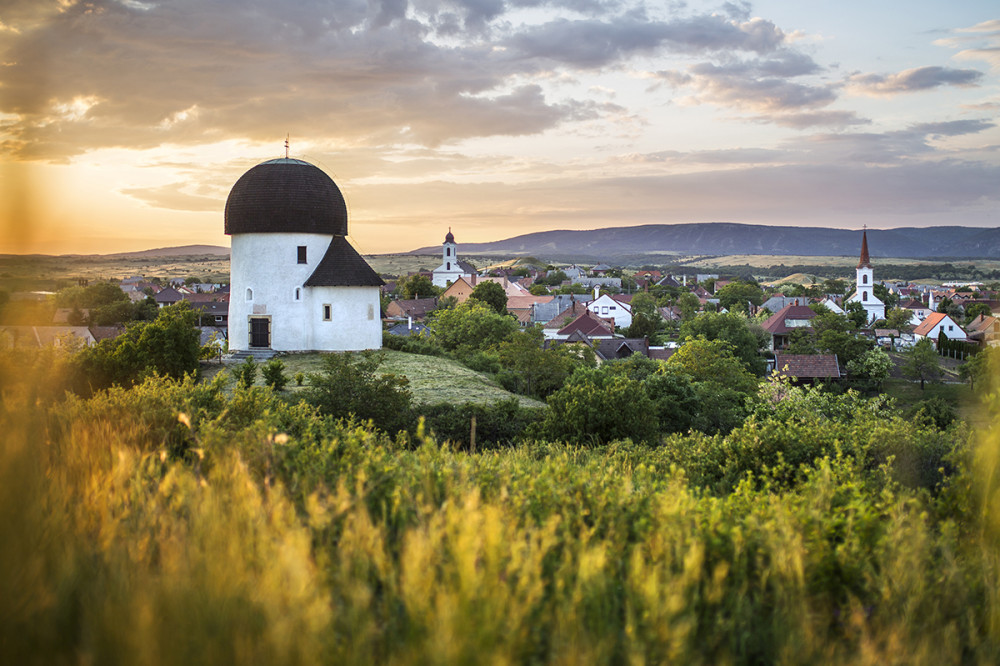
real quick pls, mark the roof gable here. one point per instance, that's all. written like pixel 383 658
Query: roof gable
pixel 342 266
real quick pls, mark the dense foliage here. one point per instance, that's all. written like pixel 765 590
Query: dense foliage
pixel 174 522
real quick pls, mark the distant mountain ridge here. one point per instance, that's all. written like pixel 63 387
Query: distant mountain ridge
pixel 178 251
pixel 721 238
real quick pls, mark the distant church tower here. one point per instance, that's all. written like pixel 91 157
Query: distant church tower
pixel 864 293
pixel 296 283
pixel 451 268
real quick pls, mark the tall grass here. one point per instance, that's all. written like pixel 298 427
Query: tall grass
pixel 171 523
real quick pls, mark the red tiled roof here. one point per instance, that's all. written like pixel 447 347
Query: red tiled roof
pixel 590 325
pixel 775 324
pixel 807 366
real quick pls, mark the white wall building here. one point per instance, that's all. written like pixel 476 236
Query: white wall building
pixel 865 282
pixel 606 307
pixel 297 284
pixel 451 268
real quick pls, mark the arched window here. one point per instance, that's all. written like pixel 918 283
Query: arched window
pixel 864 295
pixel 249 294
pixel 864 279
pixel 448 266
pixel 447 252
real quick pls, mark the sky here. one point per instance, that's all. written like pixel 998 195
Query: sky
pixel 125 123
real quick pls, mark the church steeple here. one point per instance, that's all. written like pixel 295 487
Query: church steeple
pixel 865 262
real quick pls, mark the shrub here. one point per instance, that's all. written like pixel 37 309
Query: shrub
pixel 246 373
pixel 499 424
pixel 274 374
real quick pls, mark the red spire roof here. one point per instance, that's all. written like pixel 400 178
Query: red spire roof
pixel 865 262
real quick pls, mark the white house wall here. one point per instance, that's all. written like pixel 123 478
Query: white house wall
pixel 267 264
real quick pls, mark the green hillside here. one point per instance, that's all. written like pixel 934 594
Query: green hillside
pixel 432 379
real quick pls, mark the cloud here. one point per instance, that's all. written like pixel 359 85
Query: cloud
pixel 978 42
pixel 912 80
pixel 173 197
pixel 597 43
pixel 809 119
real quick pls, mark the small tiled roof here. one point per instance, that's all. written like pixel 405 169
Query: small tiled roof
pixel 775 324
pixel 661 353
pixel 886 333
pixel 913 304
pixel 342 266
pixel 590 325
pixel 622 347
pixel 168 295
pixel 415 307
pixel 982 323
pixel 807 366
pixel 566 316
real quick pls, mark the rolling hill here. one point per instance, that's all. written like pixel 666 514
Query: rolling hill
pixel 721 238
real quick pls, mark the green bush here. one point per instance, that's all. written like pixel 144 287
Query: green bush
pixel 246 372
pixel 499 424
pixel 273 372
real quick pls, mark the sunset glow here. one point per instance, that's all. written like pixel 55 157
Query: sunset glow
pixel 124 124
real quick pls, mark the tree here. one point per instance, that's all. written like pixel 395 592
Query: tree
pixel 873 366
pixel 350 386
pixel 529 369
pixel 705 360
pixel 974 310
pixel 856 313
pixel 470 326
pixel 898 318
pixel 492 294
pixel 597 406
pixel 731 328
pixel 688 304
pixel 416 286
pixel 977 368
pixel 834 286
pixel 720 381
pixel 922 362
pixel 538 289
pixel 170 346
pixel 736 295
pixel 646 320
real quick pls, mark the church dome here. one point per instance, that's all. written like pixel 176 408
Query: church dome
pixel 286 195
pixel 450 238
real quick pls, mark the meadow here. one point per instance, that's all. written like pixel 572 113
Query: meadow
pixel 184 522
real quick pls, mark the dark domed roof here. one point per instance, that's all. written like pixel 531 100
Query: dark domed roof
pixel 286 195
pixel 449 238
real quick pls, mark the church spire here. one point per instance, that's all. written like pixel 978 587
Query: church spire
pixel 865 262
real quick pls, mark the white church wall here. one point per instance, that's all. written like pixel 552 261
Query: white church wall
pixel 267 265
pixel 355 321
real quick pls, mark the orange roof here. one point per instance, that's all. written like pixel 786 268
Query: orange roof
pixel 928 324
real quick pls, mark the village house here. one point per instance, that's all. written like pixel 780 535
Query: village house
pixel 937 323
pixel 610 307
pixel 985 331
pixel 413 308
pixel 805 368
pixel 784 321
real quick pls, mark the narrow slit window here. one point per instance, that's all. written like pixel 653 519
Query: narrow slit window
pixel 302 254
pixel 327 312
pixel 298 294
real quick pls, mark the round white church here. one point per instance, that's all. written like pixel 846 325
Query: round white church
pixel 297 284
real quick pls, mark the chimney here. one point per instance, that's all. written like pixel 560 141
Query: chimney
pixel 474 276
pixel 504 280
pixel 409 323
pixel 684 279
pixel 597 291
